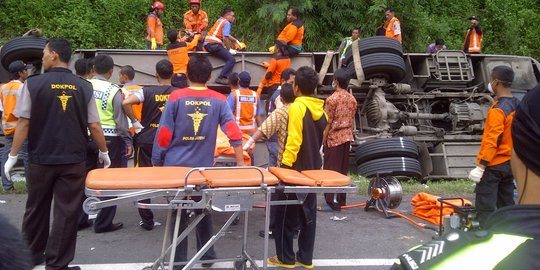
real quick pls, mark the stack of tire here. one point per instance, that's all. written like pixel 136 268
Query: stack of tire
pixel 29 49
pixel 381 57
pixel 397 156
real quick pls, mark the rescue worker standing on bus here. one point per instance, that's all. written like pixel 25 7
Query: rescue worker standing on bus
pixel 246 105
pixel 493 175
pixel 473 38
pixel 115 127
pixel 56 111
pixel 9 96
pixel 293 34
pixel 272 78
pixel 154 26
pixel 177 50
pixel 152 100
pixel 195 19
pixel 220 42
pixel 393 27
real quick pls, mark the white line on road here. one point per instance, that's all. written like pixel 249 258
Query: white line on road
pixel 319 263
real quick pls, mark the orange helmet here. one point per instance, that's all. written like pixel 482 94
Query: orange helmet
pixel 158 5
pixel 198 2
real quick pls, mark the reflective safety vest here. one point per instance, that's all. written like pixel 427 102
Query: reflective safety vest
pixel 215 35
pixel 10 91
pixel 390 29
pixel 104 93
pixel 246 109
pixel 475 41
pixel 128 91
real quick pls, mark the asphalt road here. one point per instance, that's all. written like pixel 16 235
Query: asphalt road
pixel 363 240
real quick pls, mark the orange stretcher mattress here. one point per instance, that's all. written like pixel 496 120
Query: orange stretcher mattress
pixel 141 178
pixel 238 178
pixel 311 178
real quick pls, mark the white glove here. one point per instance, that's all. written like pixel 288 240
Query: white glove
pixel 232 51
pixel 248 144
pixel 137 126
pixel 476 174
pixel 105 159
pixel 321 152
pixel 11 161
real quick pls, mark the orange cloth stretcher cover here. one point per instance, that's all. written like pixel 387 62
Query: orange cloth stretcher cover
pixel 328 178
pixel 292 177
pixel 223 147
pixel 141 178
pixel 428 208
pixel 238 178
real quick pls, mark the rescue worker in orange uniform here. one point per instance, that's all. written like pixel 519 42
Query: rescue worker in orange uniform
pixel 246 105
pixel 272 77
pixel 473 38
pixel 154 27
pixel 393 25
pixel 219 42
pixel 129 88
pixel 293 34
pixel 177 51
pixel 493 175
pixel 196 19
pixel 9 95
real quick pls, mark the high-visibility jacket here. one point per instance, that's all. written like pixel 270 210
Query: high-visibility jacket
pixel 278 64
pixel 178 54
pixel 293 33
pixel 9 94
pixel 129 90
pixel 246 102
pixel 215 35
pixel 104 93
pixel 154 28
pixel 496 146
pixel 390 29
pixel 195 22
pixel 473 40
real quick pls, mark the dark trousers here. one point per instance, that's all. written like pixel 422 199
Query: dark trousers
pixel 224 54
pixel 64 183
pixel 203 232
pixel 337 159
pixel 495 190
pixel 290 51
pixel 143 158
pixel 287 217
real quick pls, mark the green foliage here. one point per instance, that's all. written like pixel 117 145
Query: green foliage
pixel 509 26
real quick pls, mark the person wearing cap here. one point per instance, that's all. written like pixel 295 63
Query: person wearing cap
pixel 435 47
pixel 57 112
pixel 293 34
pixel 195 19
pixel 246 105
pixel 393 27
pixel 220 42
pixel 473 38
pixel 154 27
pixel 9 95
pixel 492 175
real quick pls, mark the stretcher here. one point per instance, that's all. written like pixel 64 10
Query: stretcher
pixel 221 189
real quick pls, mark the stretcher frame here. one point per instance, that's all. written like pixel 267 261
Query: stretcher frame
pixel 221 199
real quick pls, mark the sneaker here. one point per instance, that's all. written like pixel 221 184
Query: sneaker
pixel 307 266
pixel 276 262
pixel 221 80
pixel 146 226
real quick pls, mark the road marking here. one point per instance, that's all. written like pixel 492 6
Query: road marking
pixel 229 265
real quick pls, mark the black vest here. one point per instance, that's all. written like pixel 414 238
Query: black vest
pixel 59 117
pixel 155 98
pixel 308 157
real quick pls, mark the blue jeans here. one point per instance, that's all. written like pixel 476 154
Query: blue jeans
pixel 23 154
pixel 273 148
pixel 224 54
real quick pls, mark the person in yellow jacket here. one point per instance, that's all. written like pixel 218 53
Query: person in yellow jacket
pixel 393 25
pixel 9 95
pixel 154 26
pixel 473 38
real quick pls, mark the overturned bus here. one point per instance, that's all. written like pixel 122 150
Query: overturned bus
pixel 419 115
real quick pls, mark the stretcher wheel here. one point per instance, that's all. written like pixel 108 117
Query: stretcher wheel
pixel 86 206
pixel 387 189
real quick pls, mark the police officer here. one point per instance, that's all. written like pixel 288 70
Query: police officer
pixel 55 111
pixel 152 99
pixel 115 127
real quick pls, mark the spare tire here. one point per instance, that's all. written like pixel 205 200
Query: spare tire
pixel 28 49
pixel 389 147
pixel 387 65
pixel 396 166
pixel 379 44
